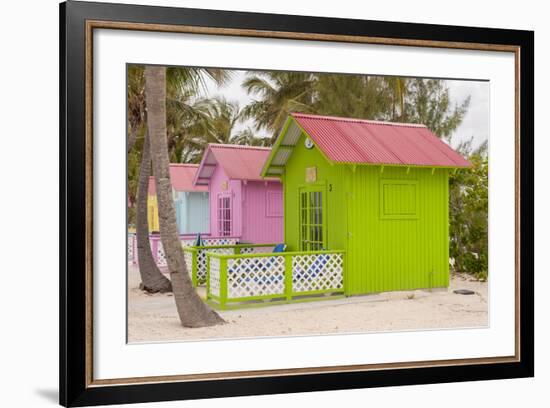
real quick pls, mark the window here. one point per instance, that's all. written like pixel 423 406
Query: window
pixel 224 216
pixel 311 220
pixel 398 199
pixel 274 204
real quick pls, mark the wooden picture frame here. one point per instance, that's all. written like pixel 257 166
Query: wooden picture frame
pixel 78 20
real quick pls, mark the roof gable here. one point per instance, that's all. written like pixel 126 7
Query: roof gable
pixel 238 162
pixel 358 141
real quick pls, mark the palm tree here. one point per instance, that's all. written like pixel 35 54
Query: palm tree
pixel 279 94
pixel 193 312
pixel 136 103
pixel 183 84
pixel 223 115
pixel 247 137
pixel 398 91
pixel 355 96
pixel 215 122
pixel 221 119
pixel 152 280
pixel 187 123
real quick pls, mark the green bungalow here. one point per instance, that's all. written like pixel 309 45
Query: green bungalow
pixel 366 208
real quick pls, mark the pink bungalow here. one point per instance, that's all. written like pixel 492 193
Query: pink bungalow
pixel 242 203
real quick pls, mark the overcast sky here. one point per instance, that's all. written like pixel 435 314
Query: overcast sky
pixel 475 123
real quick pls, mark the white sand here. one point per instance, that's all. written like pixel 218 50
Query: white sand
pixel 154 317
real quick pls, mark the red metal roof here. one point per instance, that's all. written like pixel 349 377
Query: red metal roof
pixel 181 176
pixel 348 140
pixel 237 161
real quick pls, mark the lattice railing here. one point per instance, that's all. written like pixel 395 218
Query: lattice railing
pixel 313 273
pixel 284 276
pixel 201 260
pixel 188 256
pixel 255 277
pixel 186 241
pixel 197 255
pixel 210 241
pixel 214 277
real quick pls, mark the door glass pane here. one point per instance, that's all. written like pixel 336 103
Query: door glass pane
pixel 311 221
pixel 224 216
pixel 303 222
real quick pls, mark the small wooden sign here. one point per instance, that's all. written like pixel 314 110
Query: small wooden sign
pixel 224 185
pixel 311 174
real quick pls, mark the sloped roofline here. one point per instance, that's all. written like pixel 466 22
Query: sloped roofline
pixel 355 120
pixel 291 120
pixel 212 146
pixel 173 166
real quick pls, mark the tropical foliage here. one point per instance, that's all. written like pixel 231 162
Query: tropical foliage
pixel 355 96
pixel 427 101
pixel 468 208
pixel 278 94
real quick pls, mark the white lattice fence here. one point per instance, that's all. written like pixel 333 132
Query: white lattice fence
pixel 160 257
pixel 187 242
pixel 282 277
pixel 220 241
pixel 210 241
pixel 214 276
pixel 202 259
pixel 158 251
pixel 252 277
pixel 188 256
pixel 317 272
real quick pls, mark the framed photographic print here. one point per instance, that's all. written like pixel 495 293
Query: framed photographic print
pixel 256 203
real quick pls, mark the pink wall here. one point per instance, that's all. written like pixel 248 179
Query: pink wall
pixel 237 216
pixel 256 208
pixel 263 212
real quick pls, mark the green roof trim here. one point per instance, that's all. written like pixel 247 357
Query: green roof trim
pixel 275 147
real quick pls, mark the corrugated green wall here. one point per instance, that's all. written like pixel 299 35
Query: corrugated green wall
pixel 397 252
pixel 394 241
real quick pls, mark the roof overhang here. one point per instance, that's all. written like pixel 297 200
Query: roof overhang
pixel 206 168
pixel 282 149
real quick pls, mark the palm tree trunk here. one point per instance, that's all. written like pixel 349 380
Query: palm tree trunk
pixel 193 312
pixel 132 137
pixel 152 280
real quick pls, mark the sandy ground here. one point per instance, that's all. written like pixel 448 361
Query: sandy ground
pixel 154 317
